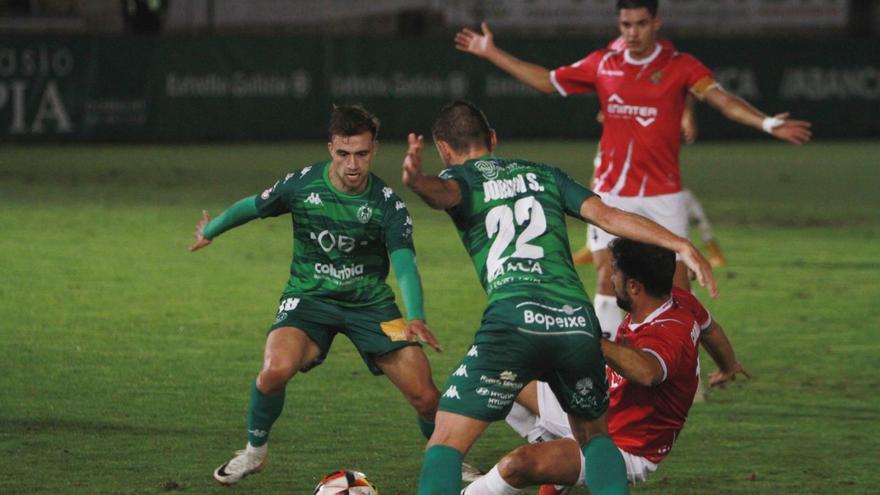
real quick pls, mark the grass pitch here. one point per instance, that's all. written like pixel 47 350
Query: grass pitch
pixel 125 360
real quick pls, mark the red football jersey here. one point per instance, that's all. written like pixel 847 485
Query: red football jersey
pixel 645 421
pixel 642 101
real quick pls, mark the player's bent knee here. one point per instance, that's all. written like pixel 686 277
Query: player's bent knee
pixel 425 401
pixel 516 468
pixel 274 377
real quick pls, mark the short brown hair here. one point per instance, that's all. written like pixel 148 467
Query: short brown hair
pixel 462 125
pixel 351 120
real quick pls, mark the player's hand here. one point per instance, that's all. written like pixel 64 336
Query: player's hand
pixel 412 163
pixel 720 377
pixel 418 330
pixel 200 232
pixel 793 131
pixel 478 44
pixel 694 259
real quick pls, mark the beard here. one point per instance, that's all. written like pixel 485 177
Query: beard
pixel 624 303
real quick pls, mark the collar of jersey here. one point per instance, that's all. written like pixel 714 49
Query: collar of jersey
pixel 644 61
pixel 653 316
pixel 344 194
pixel 484 157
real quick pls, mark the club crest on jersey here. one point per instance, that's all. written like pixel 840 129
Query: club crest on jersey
pixel 365 213
pixel 656 77
pixel 487 168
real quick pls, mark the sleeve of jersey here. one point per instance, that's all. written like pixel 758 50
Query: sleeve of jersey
pixel 666 349
pixel 690 302
pixel 572 192
pixel 700 78
pixel 404 263
pixel 577 78
pixel 397 225
pixel 458 174
pixel 242 212
pixel 274 201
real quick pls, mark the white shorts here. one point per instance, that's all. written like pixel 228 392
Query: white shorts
pixel 669 210
pixel 552 424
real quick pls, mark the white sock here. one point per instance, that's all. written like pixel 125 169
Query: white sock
pixel 491 484
pixel 257 451
pixel 608 313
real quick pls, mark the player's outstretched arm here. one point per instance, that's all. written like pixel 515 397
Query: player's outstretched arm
pixel 483 45
pixel 719 348
pixel 404 263
pixel 738 110
pixel 635 365
pixel 437 193
pixel 639 228
pixel 241 212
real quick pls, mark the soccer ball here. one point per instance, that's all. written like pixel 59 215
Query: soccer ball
pixel 344 482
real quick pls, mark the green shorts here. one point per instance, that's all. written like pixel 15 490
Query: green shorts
pixel 527 338
pixel 374 330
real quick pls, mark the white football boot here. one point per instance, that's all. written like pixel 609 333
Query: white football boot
pixel 248 461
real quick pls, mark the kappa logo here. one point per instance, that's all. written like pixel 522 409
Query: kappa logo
pixel 399 205
pixel 387 192
pixel 461 371
pixel 304 171
pixel 365 213
pixel 408 221
pixel 314 199
pixel 473 352
pixel 645 116
pixel 452 393
pixel 288 176
pixel 487 168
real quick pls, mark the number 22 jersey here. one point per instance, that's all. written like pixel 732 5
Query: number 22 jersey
pixel 511 220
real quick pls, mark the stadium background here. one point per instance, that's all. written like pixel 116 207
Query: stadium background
pixel 125 360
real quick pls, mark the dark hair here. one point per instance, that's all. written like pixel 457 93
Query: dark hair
pixel 651 265
pixel 462 125
pixel 351 120
pixel 651 5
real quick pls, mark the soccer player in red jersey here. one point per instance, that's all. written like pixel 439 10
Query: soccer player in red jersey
pixel 652 375
pixel 642 91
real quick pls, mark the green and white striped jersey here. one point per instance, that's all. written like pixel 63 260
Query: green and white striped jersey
pixel 511 219
pixel 341 241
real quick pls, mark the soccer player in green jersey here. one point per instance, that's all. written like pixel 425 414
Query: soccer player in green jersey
pixel 346 225
pixel 539 323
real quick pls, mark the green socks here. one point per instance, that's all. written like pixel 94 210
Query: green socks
pixel 441 471
pixel 605 469
pixel 426 426
pixel 263 410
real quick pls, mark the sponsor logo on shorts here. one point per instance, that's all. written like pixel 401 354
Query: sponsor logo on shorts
pixel 280 317
pixel 499 382
pixel 482 391
pixel 507 375
pixel 452 393
pixel 549 321
pixel 288 304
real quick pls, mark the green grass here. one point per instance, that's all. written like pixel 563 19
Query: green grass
pixel 125 360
